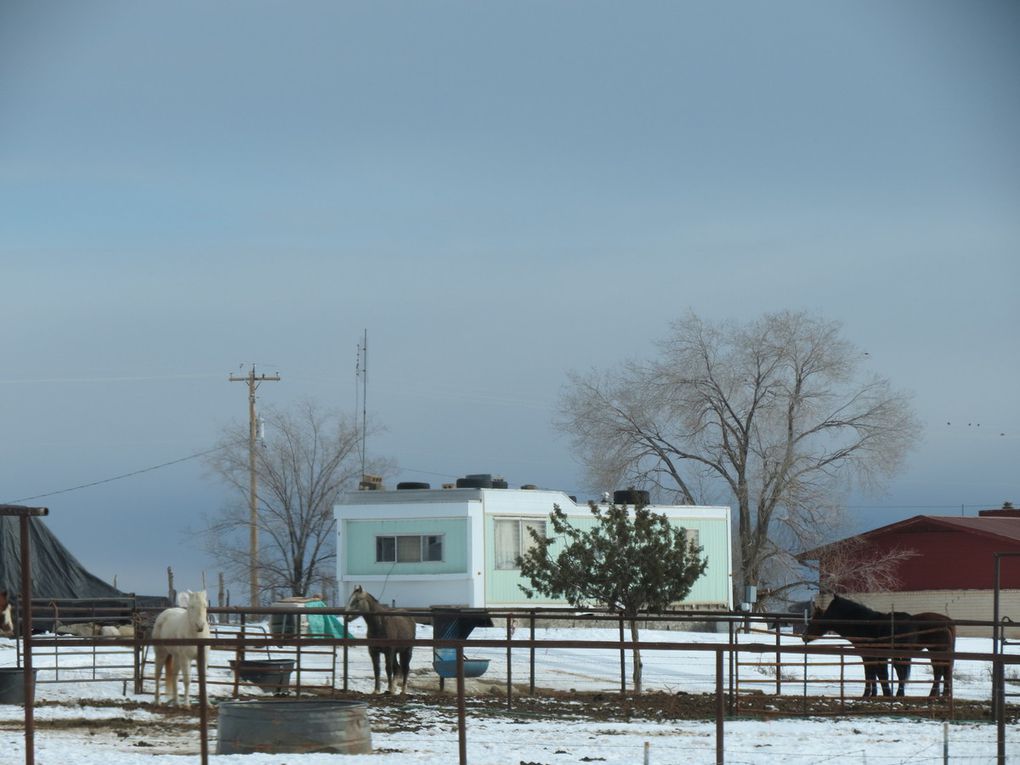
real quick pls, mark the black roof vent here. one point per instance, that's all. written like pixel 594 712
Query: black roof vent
pixel 630 497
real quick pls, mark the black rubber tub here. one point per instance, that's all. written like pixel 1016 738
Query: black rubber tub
pixel 271 675
pixel 294 726
pixel 12 685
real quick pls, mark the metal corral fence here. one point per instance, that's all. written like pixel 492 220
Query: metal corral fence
pixel 751 659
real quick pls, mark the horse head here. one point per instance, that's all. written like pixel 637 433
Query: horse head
pixel 361 601
pixel 815 628
pixel 196 604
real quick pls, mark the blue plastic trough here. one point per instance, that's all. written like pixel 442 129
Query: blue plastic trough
pixel 444 662
pixel 454 626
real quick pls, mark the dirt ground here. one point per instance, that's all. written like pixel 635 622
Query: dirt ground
pixel 176 731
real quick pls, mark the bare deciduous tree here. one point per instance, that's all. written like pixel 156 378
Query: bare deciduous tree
pixel 306 460
pixel 774 417
pixel 852 566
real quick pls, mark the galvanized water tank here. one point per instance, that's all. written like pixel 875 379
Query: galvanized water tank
pixel 296 726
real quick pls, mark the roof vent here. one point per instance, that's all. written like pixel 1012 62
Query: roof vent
pixel 370 482
pixel 630 497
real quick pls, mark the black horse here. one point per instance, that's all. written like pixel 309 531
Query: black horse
pixel 866 628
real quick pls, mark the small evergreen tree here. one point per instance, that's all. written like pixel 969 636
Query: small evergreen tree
pixel 627 562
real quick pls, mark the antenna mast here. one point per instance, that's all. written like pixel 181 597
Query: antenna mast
pixel 362 372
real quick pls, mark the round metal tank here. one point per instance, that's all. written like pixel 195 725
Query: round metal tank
pixel 298 726
pixel 12 685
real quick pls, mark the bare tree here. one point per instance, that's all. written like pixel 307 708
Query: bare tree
pixel 306 460
pixel 852 566
pixel 774 417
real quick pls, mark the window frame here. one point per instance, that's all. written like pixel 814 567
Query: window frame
pixel 425 547
pixel 523 541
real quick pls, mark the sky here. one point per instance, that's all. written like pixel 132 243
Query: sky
pixel 498 194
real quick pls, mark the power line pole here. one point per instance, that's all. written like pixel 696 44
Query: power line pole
pixel 253 381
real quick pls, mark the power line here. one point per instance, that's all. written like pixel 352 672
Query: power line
pixel 116 477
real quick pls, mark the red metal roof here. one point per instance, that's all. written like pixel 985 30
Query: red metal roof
pixel 999 528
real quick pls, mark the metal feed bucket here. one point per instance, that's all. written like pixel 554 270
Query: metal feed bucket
pixel 298 726
pixel 271 675
pixel 12 685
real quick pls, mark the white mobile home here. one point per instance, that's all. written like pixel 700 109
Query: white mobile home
pixel 419 547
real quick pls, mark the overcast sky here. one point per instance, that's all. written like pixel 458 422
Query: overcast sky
pixel 498 193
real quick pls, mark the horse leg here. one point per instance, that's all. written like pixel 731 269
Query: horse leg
pixel 171 677
pixel 374 654
pixel 942 671
pixel 902 667
pixel 870 673
pixel 882 675
pixel 405 668
pixel 391 670
pixel 186 678
pixel 936 671
pixel 160 660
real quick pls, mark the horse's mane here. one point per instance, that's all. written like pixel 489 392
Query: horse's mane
pixel 844 608
pixel 873 623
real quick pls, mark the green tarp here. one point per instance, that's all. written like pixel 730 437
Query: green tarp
pixel 324 624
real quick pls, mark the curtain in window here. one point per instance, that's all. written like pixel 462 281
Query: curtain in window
pixel 408 549
pixel 507 543
pixel 526 539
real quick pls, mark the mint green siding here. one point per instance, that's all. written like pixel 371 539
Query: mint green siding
pixel 711 588
pixel 358 541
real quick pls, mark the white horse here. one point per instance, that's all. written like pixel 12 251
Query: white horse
pixel 6 621
pixel 187 621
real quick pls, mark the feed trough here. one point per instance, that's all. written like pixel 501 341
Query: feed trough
pixel 295 726
pixel 271 675
pixel 444 662
pixel 456 626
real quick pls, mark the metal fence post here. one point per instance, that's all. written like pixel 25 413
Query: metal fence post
pixel 461 715
pixel 719 708
pixel 509 663
pixel 531 688
pixel 203 704
pixel 623 662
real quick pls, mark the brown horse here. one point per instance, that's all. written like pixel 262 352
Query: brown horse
pixel 937 633
pixel 383 622
pixel 865 628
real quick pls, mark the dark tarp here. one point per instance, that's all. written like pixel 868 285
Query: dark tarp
pixel 56 573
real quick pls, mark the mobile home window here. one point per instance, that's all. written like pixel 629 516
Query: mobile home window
pixel 409 548
pixel 513 540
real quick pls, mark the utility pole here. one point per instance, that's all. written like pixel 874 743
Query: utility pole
pixel 253 381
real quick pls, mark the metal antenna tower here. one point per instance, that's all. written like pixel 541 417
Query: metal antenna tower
pixel 361 372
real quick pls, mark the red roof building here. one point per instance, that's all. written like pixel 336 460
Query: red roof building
pixel 947 564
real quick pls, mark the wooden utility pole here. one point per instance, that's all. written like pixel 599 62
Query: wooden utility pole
pixel 253 381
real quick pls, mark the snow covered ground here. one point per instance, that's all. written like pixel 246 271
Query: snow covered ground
pixel 119 727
